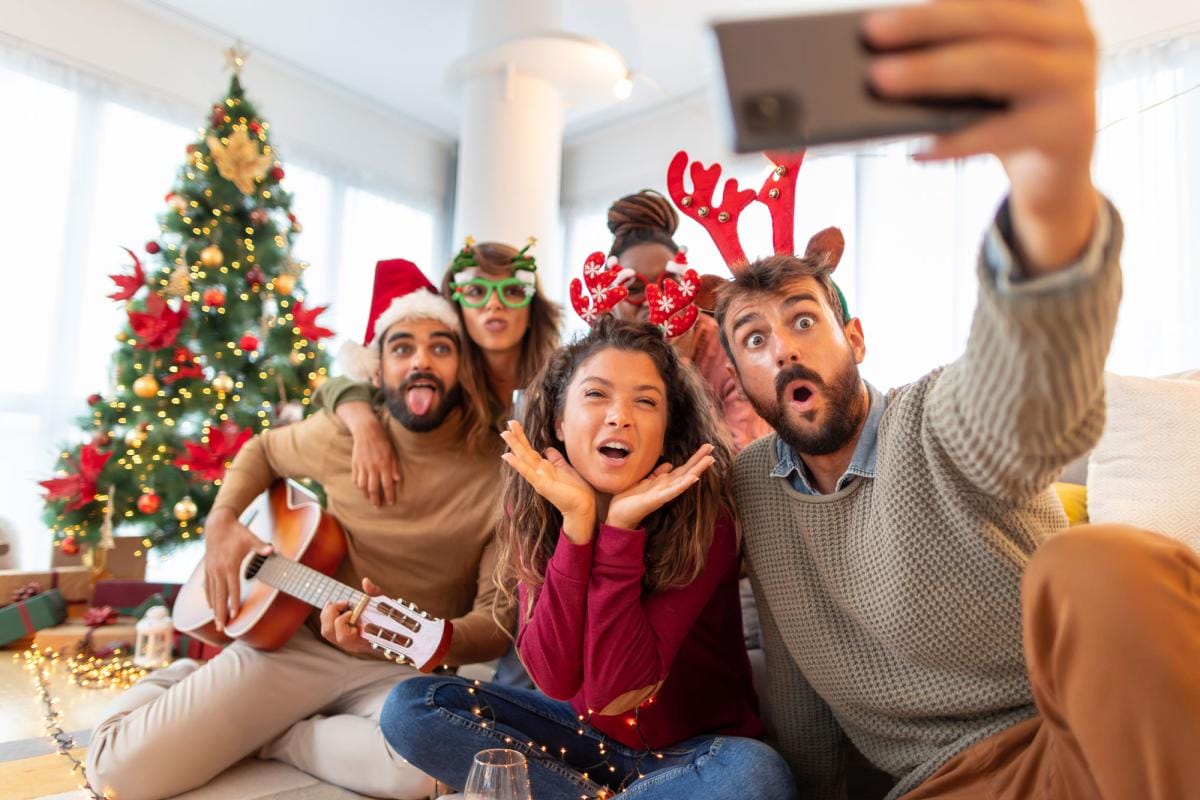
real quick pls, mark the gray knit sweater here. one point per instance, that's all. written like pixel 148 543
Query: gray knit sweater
pixel 891 609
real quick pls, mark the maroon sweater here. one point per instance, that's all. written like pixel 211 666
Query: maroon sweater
pixel 594 636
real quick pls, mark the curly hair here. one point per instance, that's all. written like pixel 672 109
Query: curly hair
pixel 680 533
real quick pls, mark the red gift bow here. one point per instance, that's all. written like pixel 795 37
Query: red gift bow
pixel 96 616
pixel 605 292
pixel 673 304
pixel 23 593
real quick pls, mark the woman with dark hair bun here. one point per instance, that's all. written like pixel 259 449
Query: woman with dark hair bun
pixel 643 228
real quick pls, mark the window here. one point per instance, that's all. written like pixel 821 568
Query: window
pixel 90 182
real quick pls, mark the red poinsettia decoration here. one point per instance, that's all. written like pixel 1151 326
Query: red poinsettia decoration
pixel 208 461
pixel 78 489
pixel 157 326
pixel 127 285
pixel 305 322
pixel 186 366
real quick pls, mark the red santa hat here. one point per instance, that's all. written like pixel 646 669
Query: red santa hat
pixel 401 292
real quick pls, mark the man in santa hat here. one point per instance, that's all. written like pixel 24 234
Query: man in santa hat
pixel 315 702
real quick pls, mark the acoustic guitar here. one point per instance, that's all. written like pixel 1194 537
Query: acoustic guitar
pixel 278 591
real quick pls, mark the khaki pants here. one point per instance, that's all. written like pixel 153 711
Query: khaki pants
pixel 1112 640
pixel 307 704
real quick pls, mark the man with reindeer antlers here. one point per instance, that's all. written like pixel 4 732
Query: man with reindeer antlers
pixel 920 600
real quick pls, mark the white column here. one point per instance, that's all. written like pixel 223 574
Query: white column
pixel 514 87
pixel 509 165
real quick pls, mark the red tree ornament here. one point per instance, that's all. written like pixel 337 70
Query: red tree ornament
pixel 207 462
pixel 255 277
pixel 78 489
pixel 94 400
pixel 157 326
pixel 248 342
pixel 69 546
pixel 152 247
pixel 219 117
pixel 149 502
pixel 254 128
pixel 214 297
pixel 276 173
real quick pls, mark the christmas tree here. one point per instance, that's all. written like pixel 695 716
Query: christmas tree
pixel 218 345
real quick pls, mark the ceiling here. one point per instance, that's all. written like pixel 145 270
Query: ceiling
pixel 397 52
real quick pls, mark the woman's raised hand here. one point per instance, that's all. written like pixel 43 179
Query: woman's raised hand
pixel 664 484
pixel 554 479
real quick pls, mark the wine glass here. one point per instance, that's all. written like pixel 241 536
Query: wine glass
pixel 498 774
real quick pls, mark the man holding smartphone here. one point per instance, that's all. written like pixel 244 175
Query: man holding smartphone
pixel 918 599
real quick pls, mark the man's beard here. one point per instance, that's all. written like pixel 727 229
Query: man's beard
pixel 843 401
pixel 397 403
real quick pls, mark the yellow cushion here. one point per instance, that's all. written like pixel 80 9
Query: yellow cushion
pixel 1073 497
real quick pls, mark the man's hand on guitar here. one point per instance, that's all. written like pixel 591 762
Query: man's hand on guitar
pixel 336 625
pixel 226 543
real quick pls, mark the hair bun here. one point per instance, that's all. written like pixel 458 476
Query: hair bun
pixel 646 209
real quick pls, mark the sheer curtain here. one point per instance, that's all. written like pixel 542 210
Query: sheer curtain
pixel 913 231
pixel 86 164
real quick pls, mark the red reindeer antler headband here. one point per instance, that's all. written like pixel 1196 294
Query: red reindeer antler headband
pixel 778 194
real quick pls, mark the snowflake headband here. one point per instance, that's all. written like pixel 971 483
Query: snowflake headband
pixel 671 301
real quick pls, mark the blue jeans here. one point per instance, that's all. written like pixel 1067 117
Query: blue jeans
pixel 439 724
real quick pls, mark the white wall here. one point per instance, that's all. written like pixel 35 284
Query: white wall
pixel 180 68
pixel 612 160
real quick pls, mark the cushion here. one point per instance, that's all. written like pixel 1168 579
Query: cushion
pixel 1145 471
pixel 1073 497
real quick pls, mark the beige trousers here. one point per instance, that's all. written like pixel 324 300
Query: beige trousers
pixel 1112 640
pixel 306 704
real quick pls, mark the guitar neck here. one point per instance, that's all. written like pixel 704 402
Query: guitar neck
pixel 304 583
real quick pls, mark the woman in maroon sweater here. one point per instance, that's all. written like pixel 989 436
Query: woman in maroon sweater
pixel 627 564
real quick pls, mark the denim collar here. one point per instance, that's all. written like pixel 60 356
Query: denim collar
pixel 862 463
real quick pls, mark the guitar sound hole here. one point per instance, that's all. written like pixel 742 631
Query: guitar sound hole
pixel 254 566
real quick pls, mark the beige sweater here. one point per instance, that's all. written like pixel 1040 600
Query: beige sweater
pixel 891 609
pixel 435 547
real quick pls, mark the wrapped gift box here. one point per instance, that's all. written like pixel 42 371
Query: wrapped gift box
pixel 126 561
pixel 127 597
pixel 68 636
pixel 18 620
pixel 74 583
pixel 187 647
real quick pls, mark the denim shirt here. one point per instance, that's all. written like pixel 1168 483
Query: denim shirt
pixel 1006 268
pixel 862 464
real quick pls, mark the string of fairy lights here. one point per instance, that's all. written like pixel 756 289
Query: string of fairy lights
pixel 82 669
pixel 533 750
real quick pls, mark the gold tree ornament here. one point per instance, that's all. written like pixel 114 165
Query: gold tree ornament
pixel 212 257
pixel 136 437
pixel 145 387
pixel 222 383
pixel 285 284
pixel 185 509
pixel 240 161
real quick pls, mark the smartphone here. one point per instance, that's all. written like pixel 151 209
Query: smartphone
pixel 802 80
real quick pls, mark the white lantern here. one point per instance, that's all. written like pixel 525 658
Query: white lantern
pixel 155 636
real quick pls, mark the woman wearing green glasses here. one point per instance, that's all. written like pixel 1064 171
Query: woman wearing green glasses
pixel 511 330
